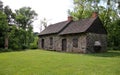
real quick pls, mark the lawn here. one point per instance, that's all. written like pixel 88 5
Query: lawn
pixel 40 62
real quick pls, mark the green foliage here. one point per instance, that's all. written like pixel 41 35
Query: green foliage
pixel 15 41
pixel 84 8
pixel 3 23
pixel 3 28
pixel 25 17
pixel 17 28
pixel 39 62
pixel 114 35
pixel 10 15
pixel 5 50
pixel 16 38
pixel 34 45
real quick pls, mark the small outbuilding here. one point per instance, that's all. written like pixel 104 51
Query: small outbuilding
pixel 82 36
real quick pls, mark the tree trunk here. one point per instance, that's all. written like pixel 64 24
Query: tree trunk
pixel 6 42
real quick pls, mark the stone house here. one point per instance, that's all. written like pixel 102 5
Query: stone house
pixel 74 36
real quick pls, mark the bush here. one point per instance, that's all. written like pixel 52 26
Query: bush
pixel 5 50
pixel 15 47
pixel 34 45
pixel 24 46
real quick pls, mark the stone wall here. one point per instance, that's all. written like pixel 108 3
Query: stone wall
pixel 57 43
pixel 81 43
pixel 85 42
pixel 92 37
pixel 47 42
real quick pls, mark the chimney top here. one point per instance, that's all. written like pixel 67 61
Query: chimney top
pixel 70 18
pixel 94 14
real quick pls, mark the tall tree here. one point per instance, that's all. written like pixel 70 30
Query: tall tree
pixel 10 15
pixel 3 30
pixel 107 9
pixel 10 19
pixel 25 16
pixel 83 8
pixel 114 35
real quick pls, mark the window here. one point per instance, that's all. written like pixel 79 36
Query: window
pixel 75 42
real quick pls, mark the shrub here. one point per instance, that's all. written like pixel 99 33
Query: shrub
pixel 34 45
pixel 24 46
pixel 5 50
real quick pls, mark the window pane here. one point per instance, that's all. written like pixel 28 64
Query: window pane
pixel 75 42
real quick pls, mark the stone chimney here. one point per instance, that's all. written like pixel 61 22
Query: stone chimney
pixel 94 15
pixel 70 18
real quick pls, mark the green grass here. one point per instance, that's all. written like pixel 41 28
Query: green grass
pixel 40 62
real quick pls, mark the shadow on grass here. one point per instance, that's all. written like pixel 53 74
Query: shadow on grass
pixel 10 50
pixel 107 54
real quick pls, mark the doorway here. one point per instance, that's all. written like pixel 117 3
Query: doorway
pixel 42 43
pixel 64 44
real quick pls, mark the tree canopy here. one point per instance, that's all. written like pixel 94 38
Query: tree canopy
pixel 25 17
pixel 16 28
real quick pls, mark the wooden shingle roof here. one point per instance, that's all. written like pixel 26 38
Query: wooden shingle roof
pixel 73 27
pixel 78 26
pixel 54 28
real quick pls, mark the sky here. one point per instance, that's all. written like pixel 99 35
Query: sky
pixel 53 10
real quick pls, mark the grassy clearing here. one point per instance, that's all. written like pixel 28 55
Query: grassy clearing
pixel 39 62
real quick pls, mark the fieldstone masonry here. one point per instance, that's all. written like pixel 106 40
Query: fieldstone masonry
pixel 92 37
pixel 85 42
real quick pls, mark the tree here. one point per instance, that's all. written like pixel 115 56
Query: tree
pixel 81 9
pixel 10 15
pixel 24 18
pixel 114 35
pixel 84 8
pixel 43 24
pixel 3 30
pixel 16 27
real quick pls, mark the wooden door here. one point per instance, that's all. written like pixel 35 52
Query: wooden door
pixel 42 43
pixel 64 44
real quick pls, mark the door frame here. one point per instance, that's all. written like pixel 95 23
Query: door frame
pixel 64 44
pixel 42 43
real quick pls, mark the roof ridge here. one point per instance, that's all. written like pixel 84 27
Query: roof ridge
pixel 58 23
pixel 54 28
pixel 78 26
pixel 66 25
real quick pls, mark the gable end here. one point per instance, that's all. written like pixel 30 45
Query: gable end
pixel 97 27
